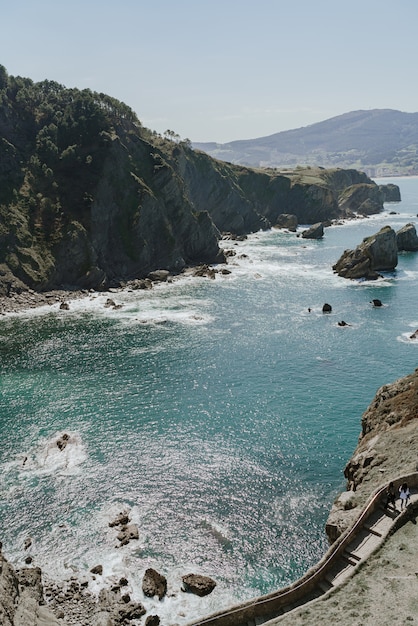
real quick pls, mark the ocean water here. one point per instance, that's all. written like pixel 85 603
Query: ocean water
pixel 219 413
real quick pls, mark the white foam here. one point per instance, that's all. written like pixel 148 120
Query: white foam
pixel 60 455
pixel 159 306
pixel 129 562
pixel 407 337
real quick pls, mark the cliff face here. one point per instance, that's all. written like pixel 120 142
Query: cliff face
pixel 21 597
pixel 387 448
pixel 90 198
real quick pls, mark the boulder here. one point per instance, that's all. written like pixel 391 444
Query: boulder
pixel 159 275
pixel 198 584
pixel 154 584
pixel 95 278
pixel 327 308
pixel 205 271
pixel 407 238
pixel 287 220
pixel 376 302
pixel 314 232
pixel 346 500
pixel 378 252
pixel 390 192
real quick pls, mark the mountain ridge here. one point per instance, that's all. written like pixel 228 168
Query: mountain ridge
pixel 376 141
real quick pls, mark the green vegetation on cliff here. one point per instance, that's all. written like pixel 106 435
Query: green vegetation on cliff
pixel 89 197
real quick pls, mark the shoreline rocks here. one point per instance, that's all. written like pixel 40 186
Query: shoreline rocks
pixel 316 231
pixel 387 448
pixel 376 253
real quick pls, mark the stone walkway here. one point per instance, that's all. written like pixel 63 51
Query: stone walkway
pixel 341 561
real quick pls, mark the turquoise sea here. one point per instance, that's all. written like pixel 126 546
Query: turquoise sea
pixel 220 413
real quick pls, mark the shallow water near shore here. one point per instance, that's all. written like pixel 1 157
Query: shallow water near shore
pixel 220 413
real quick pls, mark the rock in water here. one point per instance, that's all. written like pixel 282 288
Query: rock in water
pixel 154 584
pixel 287 220
pixel 314 232
pixel 407 238
pixel 378 252
pixel 198 584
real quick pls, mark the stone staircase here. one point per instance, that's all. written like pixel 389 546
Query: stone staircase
pixel 339 563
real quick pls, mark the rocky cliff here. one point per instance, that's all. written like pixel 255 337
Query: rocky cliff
pixel 91 198
pixel 387 449
pixel 21 597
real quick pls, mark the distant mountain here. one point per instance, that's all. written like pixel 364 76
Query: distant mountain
pixel 378 142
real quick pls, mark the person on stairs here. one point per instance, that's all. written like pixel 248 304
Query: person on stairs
pixel 404 495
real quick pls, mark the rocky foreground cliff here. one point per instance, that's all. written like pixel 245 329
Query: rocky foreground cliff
pixel 387 449
pixel 90 198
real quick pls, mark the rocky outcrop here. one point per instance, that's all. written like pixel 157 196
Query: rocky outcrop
pixel 407 238
pixel 287 221
pixel 127 530
pixel 387 449
pixel 390 192
pixel 21 597
pixel 362 198
pixel 314 232
pixel 376 253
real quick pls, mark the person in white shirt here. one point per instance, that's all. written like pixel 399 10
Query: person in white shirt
pixel 404 495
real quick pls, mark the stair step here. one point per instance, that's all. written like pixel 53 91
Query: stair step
pixel 325 585
pixel 372 530
pixel 351 558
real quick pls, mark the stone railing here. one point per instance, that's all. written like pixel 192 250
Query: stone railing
pixel 307 587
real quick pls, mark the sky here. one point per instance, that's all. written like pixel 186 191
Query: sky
pixel 221 70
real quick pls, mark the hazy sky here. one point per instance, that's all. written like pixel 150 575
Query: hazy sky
pixel 219 70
